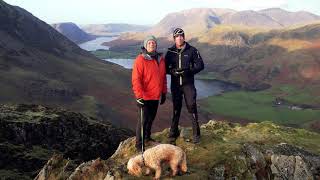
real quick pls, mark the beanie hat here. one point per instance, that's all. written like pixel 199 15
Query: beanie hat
pixel 178 31
pixel 148 38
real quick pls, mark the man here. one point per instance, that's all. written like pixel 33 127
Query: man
pixel 148 83
pixel 182 62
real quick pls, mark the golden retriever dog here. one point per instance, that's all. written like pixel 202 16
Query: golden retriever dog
pixel 155 157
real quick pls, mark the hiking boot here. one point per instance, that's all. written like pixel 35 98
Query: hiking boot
pixel 196 140
pixel 174 135
pixel 138 148
pixel 172 140
pixel 195 128
pixel 150 140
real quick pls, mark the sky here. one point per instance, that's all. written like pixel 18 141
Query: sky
pixel 144 12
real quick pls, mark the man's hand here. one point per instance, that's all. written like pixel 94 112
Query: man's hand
pixel 174 72
pixel 163 98
pixel 178 71
pixel 140 102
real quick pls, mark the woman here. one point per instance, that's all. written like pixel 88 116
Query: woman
pixel 148 83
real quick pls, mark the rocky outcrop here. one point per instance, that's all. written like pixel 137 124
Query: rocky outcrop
pixel 31 134
pixel 289 167
pixel 288 158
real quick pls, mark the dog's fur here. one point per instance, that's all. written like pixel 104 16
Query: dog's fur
pixel 155 156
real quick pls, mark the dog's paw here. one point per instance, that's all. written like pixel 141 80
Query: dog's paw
pixel 148 171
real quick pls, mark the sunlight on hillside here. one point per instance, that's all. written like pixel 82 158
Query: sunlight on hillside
pixel 290 45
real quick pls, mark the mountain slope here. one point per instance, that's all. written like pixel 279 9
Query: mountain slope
pixel 270 65
pixel 73 32
pixel 39 65
pixel 251 19
pixel 226 151
pixel 283 56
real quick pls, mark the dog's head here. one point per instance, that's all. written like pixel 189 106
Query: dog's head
pixel 134 166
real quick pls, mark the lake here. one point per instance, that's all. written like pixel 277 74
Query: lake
pixel 96 43
pixel 205 88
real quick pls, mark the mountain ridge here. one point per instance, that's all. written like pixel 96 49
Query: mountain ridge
pixel 112 29
pixel 200 20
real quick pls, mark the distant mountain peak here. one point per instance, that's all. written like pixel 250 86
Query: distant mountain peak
pixel 73 32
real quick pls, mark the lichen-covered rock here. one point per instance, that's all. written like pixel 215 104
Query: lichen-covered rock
pixel 256 158
pixel 289 167
pixel 54 169
pixel 93 170
pixel 307 163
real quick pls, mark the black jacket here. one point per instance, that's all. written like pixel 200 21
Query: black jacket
pixel 191 62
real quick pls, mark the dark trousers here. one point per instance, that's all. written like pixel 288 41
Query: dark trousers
pixel 149 113
pixel 189 93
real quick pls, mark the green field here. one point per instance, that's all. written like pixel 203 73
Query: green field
pixel 258 106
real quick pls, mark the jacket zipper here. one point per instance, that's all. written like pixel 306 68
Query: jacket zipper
pixel 179 64
pixel 180 68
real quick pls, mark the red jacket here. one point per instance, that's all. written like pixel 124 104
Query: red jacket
pixel 149 77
